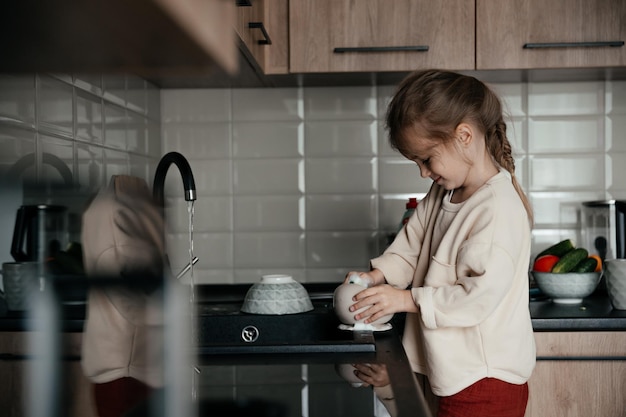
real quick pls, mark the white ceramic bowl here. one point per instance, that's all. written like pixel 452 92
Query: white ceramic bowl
pixel 615 276
pixel 568 288
pixel 277 294
pixel 342 300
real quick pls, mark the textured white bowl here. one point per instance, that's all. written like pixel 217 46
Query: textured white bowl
pixel 615 276
pixel 342 300
pixel 568 288
pixel 277 294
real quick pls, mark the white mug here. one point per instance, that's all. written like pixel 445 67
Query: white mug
pixel 20 281
pixel 615 277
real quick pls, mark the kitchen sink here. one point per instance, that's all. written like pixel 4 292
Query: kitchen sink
pixel 222 329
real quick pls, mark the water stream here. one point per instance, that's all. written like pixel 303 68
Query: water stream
pixel 192 295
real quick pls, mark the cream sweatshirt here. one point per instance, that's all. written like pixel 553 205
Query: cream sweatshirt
pixel 123 239
pixel 467 267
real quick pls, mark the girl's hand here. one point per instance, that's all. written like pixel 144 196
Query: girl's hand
pixel 383 300
pixel 373 374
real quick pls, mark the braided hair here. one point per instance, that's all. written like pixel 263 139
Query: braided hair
pixel 436 102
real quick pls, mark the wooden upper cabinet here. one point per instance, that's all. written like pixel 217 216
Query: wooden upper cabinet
pixel 380 35
pixel 512 34
pixel 262 27
pixel 144 37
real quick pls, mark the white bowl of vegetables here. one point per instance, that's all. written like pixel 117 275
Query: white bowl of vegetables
pixel 567 274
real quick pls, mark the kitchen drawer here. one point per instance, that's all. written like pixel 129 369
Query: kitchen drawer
pixel 581 344
pixel 379 35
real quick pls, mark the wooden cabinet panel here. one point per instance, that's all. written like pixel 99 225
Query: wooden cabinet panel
pixel 581 344
pixel 318 27
pixel 270 22
pixel 577 389
pixel 579 374
pixel 505 26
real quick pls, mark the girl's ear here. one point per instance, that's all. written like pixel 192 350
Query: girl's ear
pixel 464 133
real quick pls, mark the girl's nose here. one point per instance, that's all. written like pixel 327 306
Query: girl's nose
pixel 424 172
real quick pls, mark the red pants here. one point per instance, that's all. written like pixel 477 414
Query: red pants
pixel 488 397
pixel 115 398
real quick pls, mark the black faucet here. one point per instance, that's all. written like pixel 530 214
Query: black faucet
pixel 185 172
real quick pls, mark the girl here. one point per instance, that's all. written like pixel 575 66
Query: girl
pixel 459 267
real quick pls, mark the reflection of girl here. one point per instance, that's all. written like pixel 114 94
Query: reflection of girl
pixel 464 253
pixel 122 236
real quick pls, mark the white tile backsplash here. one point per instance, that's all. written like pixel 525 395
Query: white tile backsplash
pixel 269 250
pixel 268 139
pixel 136 94
pixel 560 209
pixel 340 175
pixel 566 172
pixel 90 166
pixel 516 133
pixel 61 148
pixel 88 117
pixel 55 106
pixel 616 133
pixel 340 103
pixel 384 93
pixel 341 212
pixel 115 163
pixel 399 175
pixel 616 174
pixel 318 191
pixel 214 250
pixel 349 138
pixel 268 213
pixel 267 176
pixel 301 180
pixel 340 249
pixel 115 126
pixel 263 104
pixel 213 214
pixel 198 140
pixel 616 97
pixel 514 98
pixel 17 101
pixel 195 106
pixel 136 133
pixel 564 135
pixel 562 99
pixel 212 177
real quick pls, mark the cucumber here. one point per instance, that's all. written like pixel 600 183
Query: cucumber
pixel 569 261
pixel 560 249
pixel 586 265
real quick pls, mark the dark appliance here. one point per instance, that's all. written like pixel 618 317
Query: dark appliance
pixel 40 232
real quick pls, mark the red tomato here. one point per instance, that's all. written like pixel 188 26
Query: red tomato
pixel 545 263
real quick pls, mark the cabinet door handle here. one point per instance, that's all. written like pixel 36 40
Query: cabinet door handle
pixel 572 44
pixel 261 26
pixel 243 3
pixel 416 48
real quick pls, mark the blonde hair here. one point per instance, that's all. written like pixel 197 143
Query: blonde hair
pixel 437 102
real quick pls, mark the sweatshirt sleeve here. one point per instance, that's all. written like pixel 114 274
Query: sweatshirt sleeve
pixel 401 262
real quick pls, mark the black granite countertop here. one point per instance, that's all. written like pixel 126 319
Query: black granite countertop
pixel 595 313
